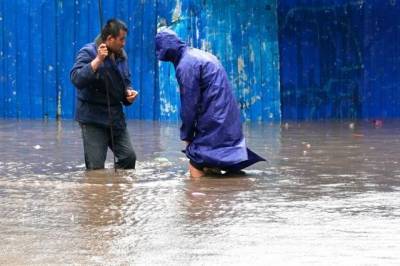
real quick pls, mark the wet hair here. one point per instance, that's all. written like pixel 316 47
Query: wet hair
pixel 112 27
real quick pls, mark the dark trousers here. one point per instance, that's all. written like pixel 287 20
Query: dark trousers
pixel 96 141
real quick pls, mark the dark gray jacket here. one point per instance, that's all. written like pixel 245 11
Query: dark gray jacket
pixel 91 106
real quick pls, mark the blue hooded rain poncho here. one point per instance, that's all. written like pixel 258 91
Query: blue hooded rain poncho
pixel 210 115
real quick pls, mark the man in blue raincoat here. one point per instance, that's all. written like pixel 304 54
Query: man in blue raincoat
pixel 102 66
pixel 211 124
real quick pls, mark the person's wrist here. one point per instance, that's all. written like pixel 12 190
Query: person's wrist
pixel 98 60
pixel 95 64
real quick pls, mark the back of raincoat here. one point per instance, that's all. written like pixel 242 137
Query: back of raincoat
pixel 209 112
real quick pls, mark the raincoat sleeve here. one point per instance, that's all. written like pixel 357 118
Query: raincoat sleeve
pixel 189 82
pixel 82 73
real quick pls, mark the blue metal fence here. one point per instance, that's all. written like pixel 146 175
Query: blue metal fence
pixel 39 40
pixel 339 59
pixel 335 59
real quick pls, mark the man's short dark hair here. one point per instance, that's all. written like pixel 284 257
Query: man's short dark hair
pixel 113 27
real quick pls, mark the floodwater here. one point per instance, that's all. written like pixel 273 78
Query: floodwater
pixel 328 195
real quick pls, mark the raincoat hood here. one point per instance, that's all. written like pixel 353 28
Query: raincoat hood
pixel 169 47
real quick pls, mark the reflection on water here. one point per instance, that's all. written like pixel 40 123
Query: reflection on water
pixel 329 194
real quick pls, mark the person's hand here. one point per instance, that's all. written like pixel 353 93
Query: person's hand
pixel 131 95
pixel 102 53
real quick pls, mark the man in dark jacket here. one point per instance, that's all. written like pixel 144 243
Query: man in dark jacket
pixel 211 124
pixel 100 67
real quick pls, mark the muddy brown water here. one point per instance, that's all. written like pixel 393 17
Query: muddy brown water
pixel 328 195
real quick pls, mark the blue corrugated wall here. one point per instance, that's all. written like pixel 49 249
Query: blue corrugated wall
pixel 381 88
pixel 339 59
pixel 243 35
pixel 39 40
pixel 335 59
